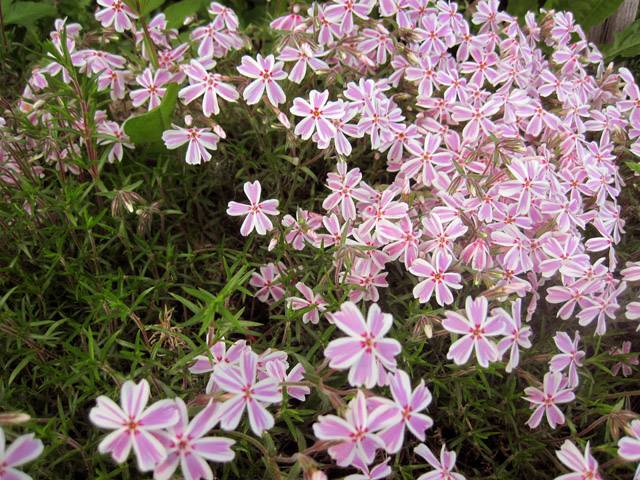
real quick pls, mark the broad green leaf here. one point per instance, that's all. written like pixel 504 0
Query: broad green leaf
pixel 588 13
pixel 25 13
pixel 625 43
pixel 149 6
pixel 148 127
pixel 177 12
pixel 519 8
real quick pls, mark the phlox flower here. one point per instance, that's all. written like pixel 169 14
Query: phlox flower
pixel 437 278
pixel 544 401
pixel 571 358
pixel 629 446
pixel 303 56
pixel 208 85
pixel 266 72
pixel 378 472
pixel 134 425
pixel 408 403
pixel 313 303
pixel 218 355
pixel 213 40
pixel 317 113
pixel 152 89
pixel 528 183
pixel 246 393
pixel 200 141
pixel 110 133
pixel 256 211
pixel 478 119
pixel 278 370
pixel 188 447
pixel 116 13
pixel 268 283
pixel 475 328
pixel 343 186
pixel 365 351
pixel 443 468
pixel 24 449
pixel 516 334
pixel 354 436
pixel 302 229
pixel 583 466
pixel 342 11
pixel 223 16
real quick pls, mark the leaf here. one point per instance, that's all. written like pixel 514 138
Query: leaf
pixel 148 127
pixel 177 12
pixel 625 43
pixel 149 6
pixel 635 166
pixel 25 13
pixel 519 8
pixel 588 13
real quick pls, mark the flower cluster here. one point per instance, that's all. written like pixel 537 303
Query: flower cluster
pixel 500 143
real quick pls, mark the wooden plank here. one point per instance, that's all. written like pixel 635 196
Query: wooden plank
pixel 621 19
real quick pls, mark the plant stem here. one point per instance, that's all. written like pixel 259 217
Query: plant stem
pixel 151 47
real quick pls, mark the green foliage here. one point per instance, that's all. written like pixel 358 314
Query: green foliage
pixel 179 11
pixel 148 127
pixel 626 43
pixel 519 8
pixel 588 13
pixel 26 13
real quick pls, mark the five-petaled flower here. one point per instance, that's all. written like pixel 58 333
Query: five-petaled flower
pixel 318 114
pixel 266 72
pixel 200 141
pixel 256 211
pixel 187 446
pixel 246 393
pixel 544 401
pixel 134 425
pixel 365 351
pixel 475 328
pixel 208 84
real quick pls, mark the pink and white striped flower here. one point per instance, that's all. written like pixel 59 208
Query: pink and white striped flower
pixel 133 425
pixel 268 283
pixel 354 437
pixel 516 335
pixel 256 211
pixel 365 351
pixel 116 13
pixel 200 141
pixel 317 113
pixel 246 394
pixel 24 449
pixel 187 446
pixel 476 329
pixel 438 278
pixel 544 401
pixel 304 56
pixel 571 358
pixel 443 468
pixel 313 303
pixel 629 446
pixel 408 403
pixel 583 466
pixel 206 85
pixel 152 89
pixel 266 72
